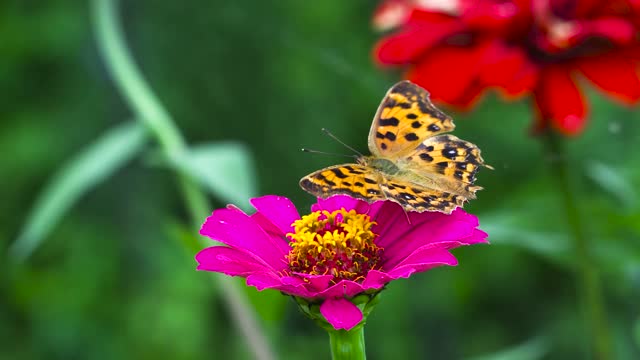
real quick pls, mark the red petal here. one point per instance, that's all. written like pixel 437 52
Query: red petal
pixel 614 74
pixel 489 15
pixel 406 46
pixel 584 8
pixel 616 29
pixel 390 14
pixel 508 68
pixel 559 100
pixel 450 74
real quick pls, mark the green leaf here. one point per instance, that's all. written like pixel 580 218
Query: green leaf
pixel 533 349
pixel 507 229
pixel 87 169
pixel 225 169
pixel 613 182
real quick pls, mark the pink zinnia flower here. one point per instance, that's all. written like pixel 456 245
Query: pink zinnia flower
pixel 345 247
pixel 541 48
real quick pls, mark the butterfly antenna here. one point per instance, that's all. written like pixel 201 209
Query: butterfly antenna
pixel 328 133
pixel 406 214
pixel 326 153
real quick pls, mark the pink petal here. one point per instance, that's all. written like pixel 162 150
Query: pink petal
pixel 341 313
pixel 289 284
pixel 278 209
pixel 316 282
pixel 422 260
pixel 394 223
pixel 440 230
pixel 230 261
pixel 478 237
pixel 237 229
pixel 376 280
pixel 391 221
pixel 344 288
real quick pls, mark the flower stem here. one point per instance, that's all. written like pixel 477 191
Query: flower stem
pixel 149 110
pixel 347 345
pixel 590 290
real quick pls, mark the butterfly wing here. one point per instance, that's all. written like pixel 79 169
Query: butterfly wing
pixel 445 163
pixel 351 179
pixel 431 171
pixel 405 118
pixel 418 197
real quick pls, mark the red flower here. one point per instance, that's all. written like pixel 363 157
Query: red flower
pixel 520 47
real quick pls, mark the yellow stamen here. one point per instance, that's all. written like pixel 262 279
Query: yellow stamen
pixel 339 243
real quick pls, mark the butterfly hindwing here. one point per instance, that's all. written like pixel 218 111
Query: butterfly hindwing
pixel 353 179
pixel 451 162
pixel 405 118
pixel 414 197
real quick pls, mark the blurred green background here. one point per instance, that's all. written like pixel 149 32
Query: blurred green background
pixel 112 280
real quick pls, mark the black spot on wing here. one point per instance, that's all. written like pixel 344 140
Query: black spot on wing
pixel 391 136
pixel 389 122
pixel 353 170
pixel 433 128
pixel 397 186
pixel 325 180
pixel 339 174
pixel 449 152
pixel 411 137
pixel 426 157
pixel 406 196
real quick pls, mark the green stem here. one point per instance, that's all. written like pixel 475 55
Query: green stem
pixel 129 80
pixel 347 345
pixel 587 272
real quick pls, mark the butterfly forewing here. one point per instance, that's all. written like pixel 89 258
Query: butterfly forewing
pixel 405 118
pixel 353 179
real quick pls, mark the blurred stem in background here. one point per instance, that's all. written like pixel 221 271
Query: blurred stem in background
pixel 590 287
pixel 157 120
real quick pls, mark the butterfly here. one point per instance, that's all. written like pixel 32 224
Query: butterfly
pixel 412 162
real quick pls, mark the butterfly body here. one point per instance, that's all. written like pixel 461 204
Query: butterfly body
pixel 413 162
pixel 384 166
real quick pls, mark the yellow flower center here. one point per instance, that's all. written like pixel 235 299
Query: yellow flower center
pixel 338 243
